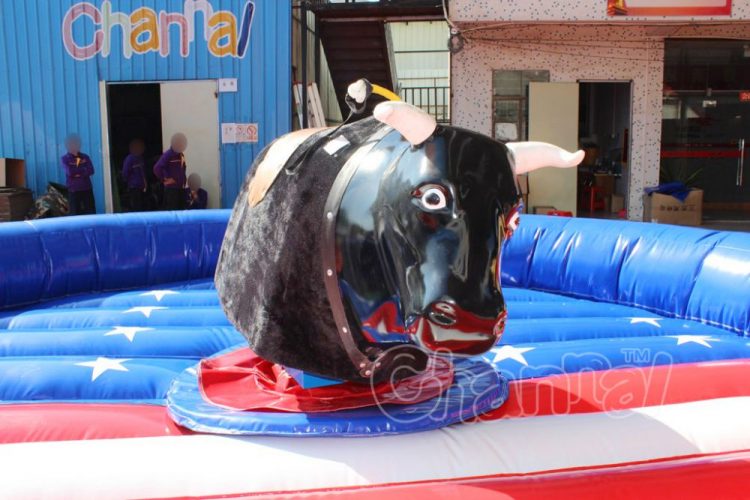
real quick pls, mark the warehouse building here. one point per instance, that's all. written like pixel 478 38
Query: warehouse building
pixel 114 70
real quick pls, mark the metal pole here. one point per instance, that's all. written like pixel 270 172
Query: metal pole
pixel 303 42
pixel 317 51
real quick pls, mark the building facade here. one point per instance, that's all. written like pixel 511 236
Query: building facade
pixel 591 42
pixel 115 70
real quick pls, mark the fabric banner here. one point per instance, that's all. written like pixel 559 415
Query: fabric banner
pixel 669 7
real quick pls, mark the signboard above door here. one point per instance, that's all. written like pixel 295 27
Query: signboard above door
pixel 669 8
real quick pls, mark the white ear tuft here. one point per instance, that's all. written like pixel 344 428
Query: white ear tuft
pixel 529 156
pixel 358 91
pixel 413 123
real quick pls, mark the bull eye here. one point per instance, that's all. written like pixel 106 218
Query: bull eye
pixel 431 197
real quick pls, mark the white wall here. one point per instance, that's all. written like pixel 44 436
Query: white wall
pixel 570 53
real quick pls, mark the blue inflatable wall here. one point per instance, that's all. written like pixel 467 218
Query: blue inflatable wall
pixel 685 273
pixel 679 272
pixel 54 258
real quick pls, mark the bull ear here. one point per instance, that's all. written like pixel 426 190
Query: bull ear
pixel 529 156
pixel 413 123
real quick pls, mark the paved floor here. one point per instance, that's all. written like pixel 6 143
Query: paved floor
pixel 723 224
pixel 728 225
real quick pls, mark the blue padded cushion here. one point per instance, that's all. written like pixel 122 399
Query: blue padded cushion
pixel 54 258
pixel 674 271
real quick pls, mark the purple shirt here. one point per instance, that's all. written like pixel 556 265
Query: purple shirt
pixel 78 170
pixel 132 172
pixel 201 201
pixel 172 165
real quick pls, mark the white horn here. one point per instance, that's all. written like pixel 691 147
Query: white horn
pixel 413 123
pixel 529 156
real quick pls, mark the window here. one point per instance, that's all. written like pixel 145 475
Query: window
pixel 510 89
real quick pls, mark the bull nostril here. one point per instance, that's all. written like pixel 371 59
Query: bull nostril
pixel 442 319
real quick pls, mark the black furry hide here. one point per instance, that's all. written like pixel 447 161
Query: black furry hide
pixel 270 275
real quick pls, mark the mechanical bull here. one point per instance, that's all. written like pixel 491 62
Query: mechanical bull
pixel 387 231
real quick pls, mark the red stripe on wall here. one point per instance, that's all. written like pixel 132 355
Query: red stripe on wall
pixel 689 153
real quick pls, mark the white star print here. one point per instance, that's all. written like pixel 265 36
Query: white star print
pixel 128 331
pixel 694 339
pixel 145 310
pixel 648 321
pixel 102 365
pixel 159 294
pixel 510 352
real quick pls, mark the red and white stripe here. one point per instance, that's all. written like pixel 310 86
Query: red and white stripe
pixel 588 430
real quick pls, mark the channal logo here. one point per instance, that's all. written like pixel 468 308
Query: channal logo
pixel 144 30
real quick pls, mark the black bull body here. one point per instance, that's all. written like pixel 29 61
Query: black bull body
pixel 365 241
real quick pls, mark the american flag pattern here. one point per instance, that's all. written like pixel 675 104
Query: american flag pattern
pixel 606 394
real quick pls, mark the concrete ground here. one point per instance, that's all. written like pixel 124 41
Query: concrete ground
pixel 718 223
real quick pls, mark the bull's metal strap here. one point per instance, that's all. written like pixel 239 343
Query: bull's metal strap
pixel 328 249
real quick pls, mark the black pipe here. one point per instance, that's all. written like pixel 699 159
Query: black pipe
pixel 317 51
pixel 303 42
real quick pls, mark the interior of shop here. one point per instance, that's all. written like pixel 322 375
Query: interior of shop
pixel 706 123
pixel 603 133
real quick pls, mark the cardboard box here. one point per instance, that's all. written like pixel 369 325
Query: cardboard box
pixel 616 203
pixel 12 173
pixel 543 210
pixel 666 209
pixel 15 203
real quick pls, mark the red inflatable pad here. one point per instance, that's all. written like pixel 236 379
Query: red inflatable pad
pixel 723 475
pixel 242 380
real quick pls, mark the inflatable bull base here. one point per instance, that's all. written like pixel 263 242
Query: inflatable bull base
pixel 225 401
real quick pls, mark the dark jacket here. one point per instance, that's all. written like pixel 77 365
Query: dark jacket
pixel 172 165
pixel 133 173
pixel 78 171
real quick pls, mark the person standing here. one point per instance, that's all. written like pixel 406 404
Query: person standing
pixel 197 198
pixel 135 176
pixel 170 170
pixel 78 171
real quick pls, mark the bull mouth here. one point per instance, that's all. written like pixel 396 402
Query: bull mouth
pixel 446 327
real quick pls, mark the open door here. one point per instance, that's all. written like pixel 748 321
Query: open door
pixel 193 109
pixel 553 118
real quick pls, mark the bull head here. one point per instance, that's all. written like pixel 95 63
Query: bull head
pixel 387 231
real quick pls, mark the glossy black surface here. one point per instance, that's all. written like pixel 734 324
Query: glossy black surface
pixel 417 241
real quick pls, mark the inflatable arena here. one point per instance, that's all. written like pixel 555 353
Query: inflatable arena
pixel 388 327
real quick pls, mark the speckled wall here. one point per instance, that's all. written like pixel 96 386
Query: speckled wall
pixel 572 53
pixel 602 58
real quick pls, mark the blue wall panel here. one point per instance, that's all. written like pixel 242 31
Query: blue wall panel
pixel 45 93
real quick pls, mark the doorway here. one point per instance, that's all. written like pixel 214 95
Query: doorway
pixel 134 113
pixel 590 115
pixel 154 112
pixel 706 123
pixel 604 117
pixel 553 113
